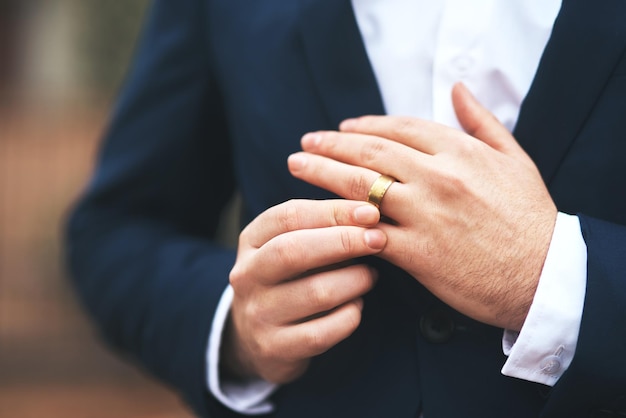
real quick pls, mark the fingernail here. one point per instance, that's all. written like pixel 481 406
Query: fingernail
pixel 347 124
pixel 375 239
pixel 465 91
pixel 311 140
pixel 366 214
pixel 296 162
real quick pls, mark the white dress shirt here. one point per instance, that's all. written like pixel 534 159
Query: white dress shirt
pixel 418 49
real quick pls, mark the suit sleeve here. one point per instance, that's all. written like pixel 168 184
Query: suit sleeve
pixel 139 242
pixel 596 380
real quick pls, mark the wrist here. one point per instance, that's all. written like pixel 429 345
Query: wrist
pixel 235 365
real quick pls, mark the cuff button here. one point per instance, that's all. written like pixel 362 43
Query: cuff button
pixel 550 365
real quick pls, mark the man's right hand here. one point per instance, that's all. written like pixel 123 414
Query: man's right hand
pixel 295 297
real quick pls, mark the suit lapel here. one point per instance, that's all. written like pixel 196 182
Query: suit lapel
pixel 338 60
pixel 586 43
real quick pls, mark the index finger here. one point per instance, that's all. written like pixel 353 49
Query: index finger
pixel 301 214
pixel 422 135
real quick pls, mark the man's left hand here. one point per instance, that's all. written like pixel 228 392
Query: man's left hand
pixel 469 216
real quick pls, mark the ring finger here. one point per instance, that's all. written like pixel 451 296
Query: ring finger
pixel 348 181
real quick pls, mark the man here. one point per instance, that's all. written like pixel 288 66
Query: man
pixel 331 312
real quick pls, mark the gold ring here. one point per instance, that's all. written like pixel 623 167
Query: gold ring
pixel 378 190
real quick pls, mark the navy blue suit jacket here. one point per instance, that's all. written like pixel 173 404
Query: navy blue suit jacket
pixel 219 95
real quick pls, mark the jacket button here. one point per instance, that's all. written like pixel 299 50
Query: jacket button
pixel 437 326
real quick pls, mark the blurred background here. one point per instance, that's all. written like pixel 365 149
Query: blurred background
pixel 61 64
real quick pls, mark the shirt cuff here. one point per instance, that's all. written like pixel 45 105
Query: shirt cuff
pixel 544 348
pixel 250 397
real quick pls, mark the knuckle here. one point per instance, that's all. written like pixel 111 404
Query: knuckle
pixel 288 251
pixel 347 241
pixel 288 216
pixel 467 147
pixel 358 188
pixel 456 185
pixel 370 152
pixel 253 310
pixel 329 144
pixel 318 295
pixel 260 317
pixel 314 339
pixel 237 277
pixel 337 216
pixel 449 182
pixel 265 347
pixel 404 126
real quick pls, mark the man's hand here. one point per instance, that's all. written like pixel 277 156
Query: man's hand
pixel 295 295
pixel 471 218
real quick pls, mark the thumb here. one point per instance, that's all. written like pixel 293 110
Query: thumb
pixel 481 123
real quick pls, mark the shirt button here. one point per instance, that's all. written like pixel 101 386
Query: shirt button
pixel 463 64
pixel 550 365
